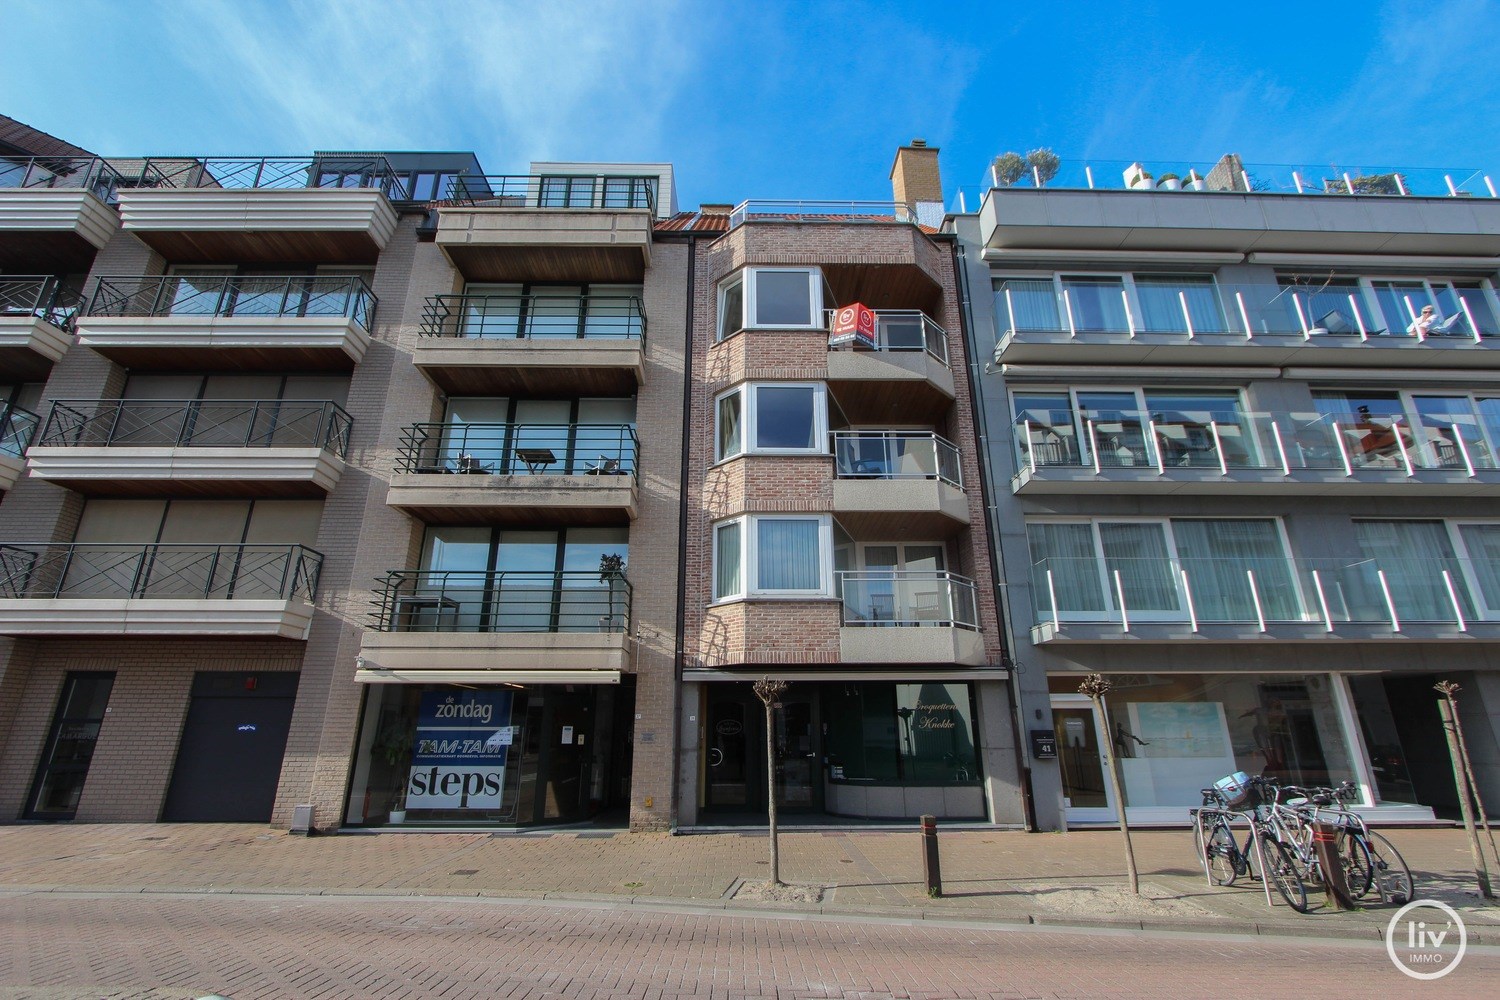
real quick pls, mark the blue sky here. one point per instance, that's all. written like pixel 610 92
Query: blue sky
pixel 767 100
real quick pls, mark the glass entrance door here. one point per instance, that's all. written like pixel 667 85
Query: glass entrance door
pixel 1086 792
pixel 797 786
pixel 729 763
pixel 70 746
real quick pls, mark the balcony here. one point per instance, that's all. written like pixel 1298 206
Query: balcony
pixel 449 620
pixel 193 448
pixel 217 322
pixel 552 474
pixel 1239 598
pixel 561 227
pixel 332 209
pixel 36 324
pixel 55 212
pixel 905 376
pixel 900 485
pixel 533 345
pixel 1185 320
pixel 157 590
pixel 17 426
pixel 909 617
pixel 1232 207
pixel 1235 454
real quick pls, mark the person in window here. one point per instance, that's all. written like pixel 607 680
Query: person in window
pixel 1424 323
pixel 1123 740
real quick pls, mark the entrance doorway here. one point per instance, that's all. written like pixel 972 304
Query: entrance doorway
pixel 1087 796
pixel 70 746
pixel 229 759
pixel 735 751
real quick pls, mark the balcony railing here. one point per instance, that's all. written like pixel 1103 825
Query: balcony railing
pixel 501 449
pixel 562 191
pixel 905 330
pixel 177 572
pixel 87 173
pixel 896 455
pixel 17 427
pixel 41 296
pixel 535 317
pixel 355 170
pixel 772 210
pixel 876 598
pixel 1212 313
pixel 197 423
pixel 502 601
pixel 1264 590
pixel 230 295
pixel 1170 440
pixel 1233 175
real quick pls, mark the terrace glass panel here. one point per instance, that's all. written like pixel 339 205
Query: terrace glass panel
pixel 1097 301
pixel 1027 304
pixel 1161 299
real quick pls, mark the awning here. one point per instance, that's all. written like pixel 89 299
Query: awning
pixel 379 675
pixel 907 675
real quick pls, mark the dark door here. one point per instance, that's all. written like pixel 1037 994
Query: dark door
pixel 732 760
pixel 567 742
pixel 799 777
pixel 1423 742
pixel 70 746
pixel 229 759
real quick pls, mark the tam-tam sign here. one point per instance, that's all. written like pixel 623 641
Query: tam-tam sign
pixel 852 324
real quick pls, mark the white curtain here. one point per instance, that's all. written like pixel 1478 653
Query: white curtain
pixel 1034 301
pixel 1483 544
pixel 1217 555
pixel 1138 552
pixel 1067 550
pixel 787 554
pixel 1160 298
pixel 1413 555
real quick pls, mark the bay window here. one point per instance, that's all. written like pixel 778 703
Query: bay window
pixel 783 298
pixel 766 555
pixel 775 418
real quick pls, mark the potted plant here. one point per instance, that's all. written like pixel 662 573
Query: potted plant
pixel 393 744
pixel 1194 182
pixel 1169 182
pixel 611 570
pixel 1007 168
pixel 1043 163
pixel 1137 178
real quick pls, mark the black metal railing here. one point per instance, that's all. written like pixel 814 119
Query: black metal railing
pixel 501 449
pixel 197 423
pixel 41 296
pixel 234 295
pixel 552 191
pixel 17 428
pixel 354 170
pixel 181 572
pixel 502 601
pixel 87 173
pixel 535 317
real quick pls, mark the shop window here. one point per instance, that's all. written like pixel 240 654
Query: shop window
pixel 780 418
pixel 911 734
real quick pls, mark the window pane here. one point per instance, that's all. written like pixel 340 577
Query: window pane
pixel 784 417
pixel 1186 422
pixel 1447 432
pixel 1098 303
pixel 554 311
pixel 1161 299
pixel 1218 558
pixel 1067 552
pixel 787 554
pixel 1026 304
pixel 1402 303
pixel 1367 422
pixel 783 298
pixel 727 559
pixel 937 733
pixel 732 309
pixel 1138 552
pixel 1483 544
pixel 1326 305
pixel 729 425
pixel 1413 556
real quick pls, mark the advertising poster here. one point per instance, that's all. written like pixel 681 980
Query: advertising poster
pixel 463 740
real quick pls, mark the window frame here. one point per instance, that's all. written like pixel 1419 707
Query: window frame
pixel 1136 316
pixel 750 410
pixel 749 552
pixel 748 278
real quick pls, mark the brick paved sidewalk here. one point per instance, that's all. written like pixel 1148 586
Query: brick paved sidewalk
pixel 1075 878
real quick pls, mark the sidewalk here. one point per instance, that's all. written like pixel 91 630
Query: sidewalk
pixel 1072 878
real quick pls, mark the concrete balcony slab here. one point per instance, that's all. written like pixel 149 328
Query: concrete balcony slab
pixel 120 471
pixel 534 367
pixel 30 346
pixel 547 244
pixel 921 644
pixel 900 509
pixel 438 498
pixel 105 617
pixel 501 651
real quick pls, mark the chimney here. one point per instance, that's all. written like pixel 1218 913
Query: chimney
pixel 915 180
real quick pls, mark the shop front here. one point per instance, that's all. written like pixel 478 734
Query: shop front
pixel 491 755
pixel 1175 734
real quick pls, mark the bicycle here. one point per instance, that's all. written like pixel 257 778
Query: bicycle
pixel 1369 859
pixel 1223 857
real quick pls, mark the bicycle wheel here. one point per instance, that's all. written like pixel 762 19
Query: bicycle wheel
pixel 1224 865
pixel 1354 855
pixel 1389 871
pixel 1280 866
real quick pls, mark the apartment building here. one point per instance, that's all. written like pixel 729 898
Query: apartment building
pixel 835 533
pixel 341 473
pixel 1243 438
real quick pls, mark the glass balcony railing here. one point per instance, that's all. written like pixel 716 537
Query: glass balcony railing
pixel 239 173
pixel 17 428
pixel 235 295
pixel 87 173
pixel 905 330
pixel 869 454
pixel 1166 441
pixel 790 210
pixel 1236 588
pixel 180 572
pixel 502 601
pixel 535 317
pixel 1104 310
pixel 547 191
pixel 40 296
pixel 501 449
pixel 875 598
pixel 197 423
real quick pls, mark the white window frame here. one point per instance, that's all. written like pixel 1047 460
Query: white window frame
pixel 1429 286
pixel 749 411
pixel 750 320
pixel 1137 316
pixel 738 278
pixel 1467 560
pixel 750 558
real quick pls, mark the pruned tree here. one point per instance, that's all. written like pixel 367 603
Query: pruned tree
pixel 1096 686
pixel 1044 164
pixel 1008 168
pixel 769 692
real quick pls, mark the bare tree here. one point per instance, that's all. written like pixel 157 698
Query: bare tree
pixel 1449 690
pixel 1096 686
pixel 769 692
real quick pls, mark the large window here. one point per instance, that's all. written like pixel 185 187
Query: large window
pixel 789 556
pixel 783 298
pixel 1180 428
pixel 1220 570
pixel 780 418
pixel 1109 303
pixel 1382 429
pixel 907 734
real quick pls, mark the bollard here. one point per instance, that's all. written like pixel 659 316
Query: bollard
pixel 931 870
pixel 1335 879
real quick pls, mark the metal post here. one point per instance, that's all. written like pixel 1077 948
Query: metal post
pixel 1400 184
pixel 1348 183
pixel 1187 592
pixel 1213 427
pixel 1094 447
pixel 1030 448
pixel 1244 315
pixel 1129 316
pixel 1322 601
pixel 1088 172
pixel 1156 447
pixel 1052 597
pixel 1187 317
pixel 1010 308
pixel 1458 611
pixel 1473 326
pixel 1359 321
pixel 1481 869
pixel 1260 614
pixel 1297 180
pixel 1452 191
pixel 1286 467
pixel 1068 305
pixel 1491 185
pixel 1412 312
pixel 1463 451
pixel 1401 445
pixel 1390 603
pixel 932 872
pixel 1301 316
pixel 1120 594
pixel 1338 438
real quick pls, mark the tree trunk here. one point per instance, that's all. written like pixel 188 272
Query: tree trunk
pixel 771 791
pixel 1481 870
pixel 1112 764
pixel 1463 752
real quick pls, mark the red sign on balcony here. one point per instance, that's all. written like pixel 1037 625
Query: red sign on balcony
pixel 852 324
